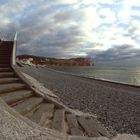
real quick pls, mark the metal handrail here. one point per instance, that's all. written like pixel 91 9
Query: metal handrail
pixel 13 57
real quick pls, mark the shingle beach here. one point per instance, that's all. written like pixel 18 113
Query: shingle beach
pixel 116 106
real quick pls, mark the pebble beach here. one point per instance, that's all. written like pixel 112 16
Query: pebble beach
pixel 117 106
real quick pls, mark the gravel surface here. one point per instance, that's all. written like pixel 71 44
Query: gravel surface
pixel 118 107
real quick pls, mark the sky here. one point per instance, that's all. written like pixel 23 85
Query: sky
pixel 107 31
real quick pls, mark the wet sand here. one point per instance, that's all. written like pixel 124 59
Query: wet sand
pixel 115 105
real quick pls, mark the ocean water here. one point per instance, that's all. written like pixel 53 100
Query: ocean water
pixel 127 75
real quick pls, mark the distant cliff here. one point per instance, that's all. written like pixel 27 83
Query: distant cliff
pixel 37 60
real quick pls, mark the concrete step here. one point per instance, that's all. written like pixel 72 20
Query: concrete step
pixel 4 48
pixel 16 96
pixel 16 103
pixel 94 124
pixel 6 74
pixel 3 55
pixel 27 105
pixel 4 88
pixel 29 114
pixel 4 65
pixel 73 125
pixel 2 69
pixel 59 120
pixel 89 127
pixel 6 55
pixel 5 69
pixel 46 118
pixel 4 59
pixel 5 62
pixel 44 112
pixel 8 58
pixel 8 80
pixel 5 52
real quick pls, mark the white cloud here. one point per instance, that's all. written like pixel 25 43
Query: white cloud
pixel 65 28
pixel 109 16
pixel 90 18
pixel 126 11
pixel 131 3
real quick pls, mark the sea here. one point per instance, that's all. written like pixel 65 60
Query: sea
pixel 126 75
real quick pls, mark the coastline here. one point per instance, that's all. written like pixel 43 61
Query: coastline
pixel 102 81
pixel 95 79
pixel 116 105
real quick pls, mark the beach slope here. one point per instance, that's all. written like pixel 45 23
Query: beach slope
pixel 115 105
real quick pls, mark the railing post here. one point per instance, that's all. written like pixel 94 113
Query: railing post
pixel 14 50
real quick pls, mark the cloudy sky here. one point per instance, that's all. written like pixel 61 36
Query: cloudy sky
pixel 106 30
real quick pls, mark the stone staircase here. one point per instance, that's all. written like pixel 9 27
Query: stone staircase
pixel 19 96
